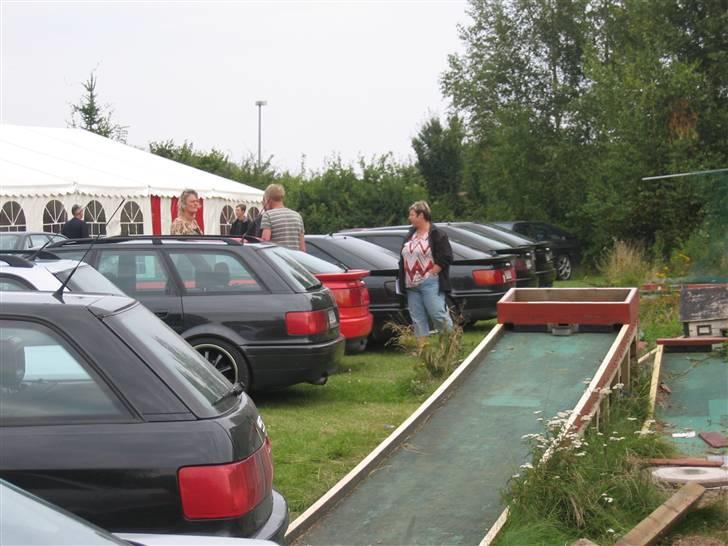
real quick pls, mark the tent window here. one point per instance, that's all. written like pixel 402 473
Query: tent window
pixel 227 216
pixel 54 216
pixel 95 217
pixel 253 213
pixel 132 220
pixel 12 217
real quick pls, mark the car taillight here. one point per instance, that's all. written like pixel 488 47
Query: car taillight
pixel 355 294
pixel 485 277
pixel 307 323
pixel 226 490
pixel 524 264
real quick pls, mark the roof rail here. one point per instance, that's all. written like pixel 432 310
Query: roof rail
pixel 156 239
pixel 14 260
pixel 30 254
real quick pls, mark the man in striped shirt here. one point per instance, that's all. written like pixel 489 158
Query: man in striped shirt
pixel 279 224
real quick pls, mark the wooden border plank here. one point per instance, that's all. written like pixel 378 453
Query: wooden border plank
pixel 317 510
pixel 654 384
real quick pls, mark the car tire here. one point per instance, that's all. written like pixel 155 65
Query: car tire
pixel 226 358
pixel 563 267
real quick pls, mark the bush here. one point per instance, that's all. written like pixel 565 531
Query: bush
pixel 626 265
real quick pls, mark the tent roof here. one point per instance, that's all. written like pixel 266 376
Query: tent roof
pixel 41 161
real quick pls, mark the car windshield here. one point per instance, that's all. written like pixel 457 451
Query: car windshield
pixel 8 241
pixel 158 343
pixel 87 279
pixel 311 263
pixel 296 274
pixel 30 520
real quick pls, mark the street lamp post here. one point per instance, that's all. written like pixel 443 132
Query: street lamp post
pixel 259 104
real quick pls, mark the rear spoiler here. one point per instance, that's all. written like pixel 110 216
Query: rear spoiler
pixel 350 275
pixel 501 259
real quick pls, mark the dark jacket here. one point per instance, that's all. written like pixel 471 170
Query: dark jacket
pixel 254 229
pixel 75 229
pixel 441 255
pixel 239 227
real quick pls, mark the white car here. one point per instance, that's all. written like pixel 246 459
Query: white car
pixel 18 272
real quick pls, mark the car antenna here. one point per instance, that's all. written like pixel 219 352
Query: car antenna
pixel 58 294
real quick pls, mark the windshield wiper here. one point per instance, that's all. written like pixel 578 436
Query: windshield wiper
pixel 236 390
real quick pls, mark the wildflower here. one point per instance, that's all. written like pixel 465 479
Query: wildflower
pixel 631 418
pixel 580 454
pixel 557 477
pixel 526 465
pixel 618 386
pixel 516 476
pixel 611 531
pixel 540 419
pixel 539 412
pixel 563 414
pixel 586 417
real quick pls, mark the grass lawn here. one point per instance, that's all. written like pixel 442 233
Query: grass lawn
pixel 319 433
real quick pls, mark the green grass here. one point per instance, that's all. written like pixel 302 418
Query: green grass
pixel 319 433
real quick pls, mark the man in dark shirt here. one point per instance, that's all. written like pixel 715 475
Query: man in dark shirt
pixel 240 225
pixel 76 227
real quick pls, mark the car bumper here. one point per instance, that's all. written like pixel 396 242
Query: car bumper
pixel 275 528
pixel 546 277
pixel 284 365
pixel 477 305
pixel 356 327
pixel 527 282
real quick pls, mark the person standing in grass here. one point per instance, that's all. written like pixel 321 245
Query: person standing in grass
pixel 279 224
pixel 424 272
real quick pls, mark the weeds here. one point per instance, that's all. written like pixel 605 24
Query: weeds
pixel 592 486
pixel 437 357
pixel 626 264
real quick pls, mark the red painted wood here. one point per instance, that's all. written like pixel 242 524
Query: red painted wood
pixel 691 341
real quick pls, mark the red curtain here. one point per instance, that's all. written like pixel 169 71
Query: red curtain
pixel 156 215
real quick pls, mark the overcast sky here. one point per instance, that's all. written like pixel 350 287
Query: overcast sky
pixel 345 78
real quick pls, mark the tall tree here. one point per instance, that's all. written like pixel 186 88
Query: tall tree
pixel 91 115
pixel 440 157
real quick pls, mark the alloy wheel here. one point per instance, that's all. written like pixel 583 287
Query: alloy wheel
pixel 563 267
pixel 223 361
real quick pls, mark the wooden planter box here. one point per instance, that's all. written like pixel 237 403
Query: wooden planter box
pixel 569 306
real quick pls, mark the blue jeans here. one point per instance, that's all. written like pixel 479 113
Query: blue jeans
pixel 426 303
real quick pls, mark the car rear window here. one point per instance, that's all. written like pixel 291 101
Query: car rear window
pixel 313 264
pixel 462 252
pixel 357 254
pixel 474 240
pixel 87 279
pixel 296 274
pixel 159 345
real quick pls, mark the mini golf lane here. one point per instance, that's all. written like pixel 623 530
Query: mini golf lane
pixel 698 401
pixel 443 484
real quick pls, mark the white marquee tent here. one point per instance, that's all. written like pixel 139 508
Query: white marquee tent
pixel 45 171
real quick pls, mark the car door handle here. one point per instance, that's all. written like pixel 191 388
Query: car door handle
pixel 162 314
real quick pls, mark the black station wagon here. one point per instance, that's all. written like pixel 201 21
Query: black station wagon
pixel 107 413
pixel 260 317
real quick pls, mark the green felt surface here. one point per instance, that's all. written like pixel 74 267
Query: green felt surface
pixel 443 485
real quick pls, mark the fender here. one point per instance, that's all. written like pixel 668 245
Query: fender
pixel 216 330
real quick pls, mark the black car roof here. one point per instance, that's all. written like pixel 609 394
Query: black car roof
pixel 165 240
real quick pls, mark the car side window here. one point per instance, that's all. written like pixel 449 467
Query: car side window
pixel 8 284
pixel 136 273
pixel 36 241
pixel 43 380
pixel 213 272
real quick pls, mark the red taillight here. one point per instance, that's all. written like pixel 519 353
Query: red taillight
pixel 307 323
pixel 353 294
pixel 485 277
pixel 226 490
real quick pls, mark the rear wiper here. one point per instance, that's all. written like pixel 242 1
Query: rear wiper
pixel 236 390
